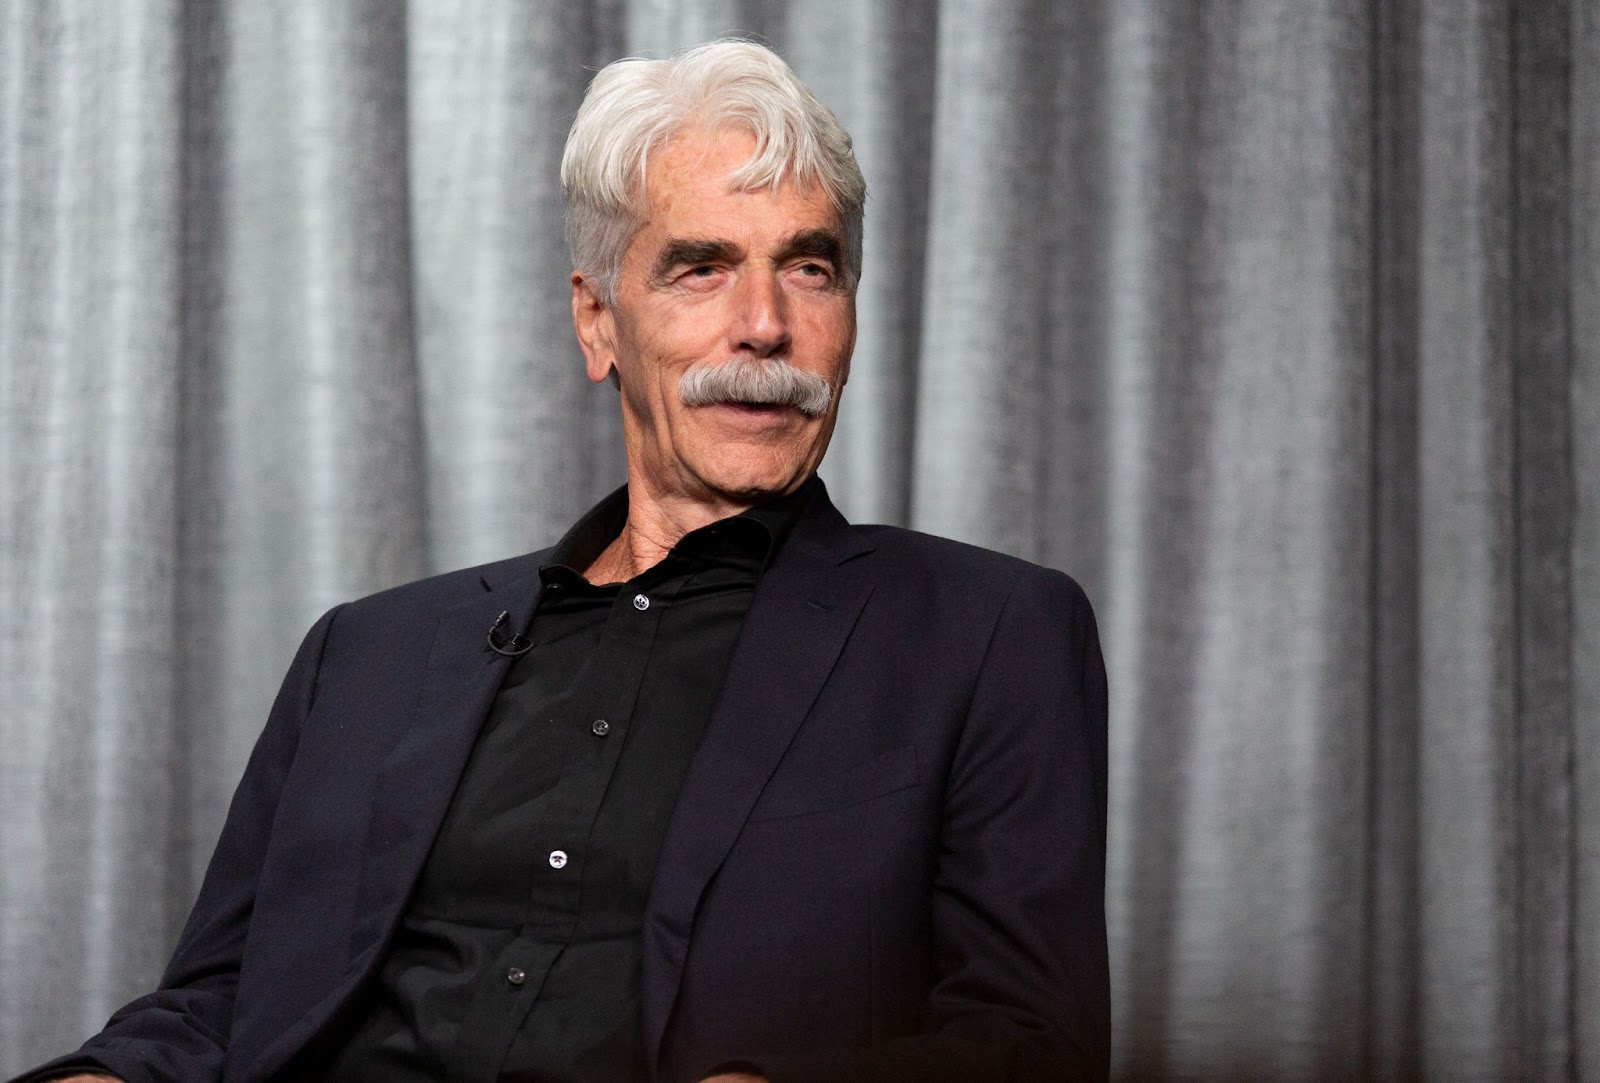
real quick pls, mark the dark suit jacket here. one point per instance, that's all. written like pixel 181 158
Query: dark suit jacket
pixel 886 861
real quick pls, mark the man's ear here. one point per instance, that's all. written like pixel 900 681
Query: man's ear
pixel 596 328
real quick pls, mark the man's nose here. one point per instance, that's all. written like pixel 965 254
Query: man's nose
pixel 761 323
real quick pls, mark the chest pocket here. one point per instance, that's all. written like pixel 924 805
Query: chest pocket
pixel 796 795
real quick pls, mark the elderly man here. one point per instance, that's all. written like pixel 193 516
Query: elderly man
pixel 719 786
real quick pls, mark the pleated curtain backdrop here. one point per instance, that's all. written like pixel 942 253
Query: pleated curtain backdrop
pixel 1276 323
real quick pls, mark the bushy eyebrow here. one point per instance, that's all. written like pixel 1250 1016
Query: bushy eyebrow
pixel 688 252
pixel 821 244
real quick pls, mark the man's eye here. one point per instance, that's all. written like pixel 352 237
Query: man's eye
pixel 699 276
pixel 815 270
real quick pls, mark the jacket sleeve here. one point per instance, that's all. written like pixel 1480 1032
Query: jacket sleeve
pixel 1022 989
pixel 179 1033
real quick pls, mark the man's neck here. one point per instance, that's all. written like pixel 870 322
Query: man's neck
pixel 656 523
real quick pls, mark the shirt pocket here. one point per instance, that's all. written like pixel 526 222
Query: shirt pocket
pixel 800 794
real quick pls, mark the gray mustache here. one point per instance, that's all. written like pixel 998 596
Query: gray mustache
pixel 770 382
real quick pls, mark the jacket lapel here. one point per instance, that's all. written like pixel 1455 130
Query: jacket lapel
pixel 415 783
pixel 802 614
pixel 418 778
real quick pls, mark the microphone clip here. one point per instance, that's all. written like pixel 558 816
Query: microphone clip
pixel 511 646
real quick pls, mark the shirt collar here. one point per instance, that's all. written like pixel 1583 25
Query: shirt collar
pixel 760 530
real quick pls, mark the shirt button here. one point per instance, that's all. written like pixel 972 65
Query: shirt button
pixel 558 859
pixel 516 975
pixel 640 602
pixel 600 727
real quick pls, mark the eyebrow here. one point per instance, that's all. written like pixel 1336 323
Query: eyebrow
pixel 816 243
pixel 689 251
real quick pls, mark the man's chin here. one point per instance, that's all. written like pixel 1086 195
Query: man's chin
pixel 747 455
pixel 745 483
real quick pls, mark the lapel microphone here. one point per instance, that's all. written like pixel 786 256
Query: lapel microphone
pixel 511 646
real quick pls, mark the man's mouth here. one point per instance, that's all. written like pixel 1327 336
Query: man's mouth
pixel 754 411
pixel 758 407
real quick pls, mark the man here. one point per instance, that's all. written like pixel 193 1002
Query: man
pixel 720 786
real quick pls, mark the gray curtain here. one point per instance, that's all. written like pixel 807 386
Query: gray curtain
pixel 1276 323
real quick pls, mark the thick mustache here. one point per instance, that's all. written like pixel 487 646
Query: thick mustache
pixel 769 382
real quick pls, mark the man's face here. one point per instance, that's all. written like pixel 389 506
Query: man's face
pixel 714 275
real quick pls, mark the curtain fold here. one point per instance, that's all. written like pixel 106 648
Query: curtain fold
pixel 1583 396
pixel 1276 325
pixel 1465 559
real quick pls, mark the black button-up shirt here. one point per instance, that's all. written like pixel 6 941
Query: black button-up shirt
pixel 519 953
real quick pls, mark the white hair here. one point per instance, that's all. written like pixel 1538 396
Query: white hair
pixel 635 105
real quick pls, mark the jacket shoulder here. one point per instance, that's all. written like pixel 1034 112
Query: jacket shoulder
pixel 930 560
pixel 446 589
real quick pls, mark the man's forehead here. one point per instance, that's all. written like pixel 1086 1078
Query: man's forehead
pixel 694 146
pixel 705 164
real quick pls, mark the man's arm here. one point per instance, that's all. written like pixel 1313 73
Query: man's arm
pixel 180 1032
pixel 1022 991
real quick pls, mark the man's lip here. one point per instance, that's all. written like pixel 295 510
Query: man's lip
pixel 750 415
pixel 755 407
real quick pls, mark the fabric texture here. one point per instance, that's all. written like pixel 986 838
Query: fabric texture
pixel 1277 325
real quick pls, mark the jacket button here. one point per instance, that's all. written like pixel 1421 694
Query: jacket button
pixel 516 975
pixel 640 602
pixel 558 859
pixel 600 727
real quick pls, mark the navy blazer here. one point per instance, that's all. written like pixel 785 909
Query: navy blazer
pixel 886 862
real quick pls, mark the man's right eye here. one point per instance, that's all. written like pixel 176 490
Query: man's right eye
pixel 698 275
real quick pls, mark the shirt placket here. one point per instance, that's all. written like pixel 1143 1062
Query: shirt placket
pixel 513 981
